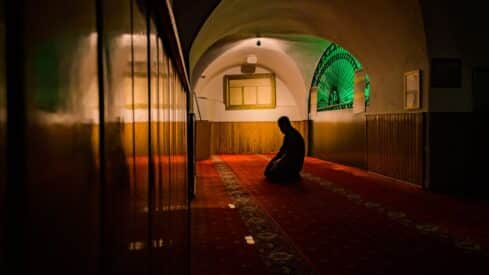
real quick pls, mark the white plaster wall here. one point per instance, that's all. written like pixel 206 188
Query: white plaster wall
pixel 273 54
pixel 212 108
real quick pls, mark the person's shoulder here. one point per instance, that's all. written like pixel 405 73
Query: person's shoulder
pixel 298 135
pixel 297 132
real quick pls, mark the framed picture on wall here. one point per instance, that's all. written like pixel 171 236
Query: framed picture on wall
pixel 412 87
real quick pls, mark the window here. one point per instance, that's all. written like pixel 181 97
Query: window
pixel 255 91
pixel 334 80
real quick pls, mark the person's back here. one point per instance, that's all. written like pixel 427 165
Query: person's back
pixel 294 150
pixel 288 162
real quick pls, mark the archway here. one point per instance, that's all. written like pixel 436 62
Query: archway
pixel 388 41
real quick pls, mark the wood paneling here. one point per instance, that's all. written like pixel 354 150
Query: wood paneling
pixel 203 139
pixel 161 129
pixel 249 137
pixel 388 144
pixel 340 137
pixel 395 145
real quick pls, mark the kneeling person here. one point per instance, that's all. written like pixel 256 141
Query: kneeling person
pixel 287 164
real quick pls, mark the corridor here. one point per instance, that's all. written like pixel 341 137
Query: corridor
pixel 134 135
pixel 337 220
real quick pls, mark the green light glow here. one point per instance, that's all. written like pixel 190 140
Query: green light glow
pixel 47 78
pixel 334 79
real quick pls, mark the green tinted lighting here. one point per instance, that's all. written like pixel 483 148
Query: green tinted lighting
pixel 334 79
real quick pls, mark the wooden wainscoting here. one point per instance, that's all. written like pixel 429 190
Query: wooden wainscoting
pixel 395 145
pixel 249 137
pixel 340 137
pixel 202 139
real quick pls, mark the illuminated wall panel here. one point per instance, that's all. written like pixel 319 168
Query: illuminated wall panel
pixel 334 79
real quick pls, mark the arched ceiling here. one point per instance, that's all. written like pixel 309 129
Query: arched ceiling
pixel 190 15
pixel 388 40
pixel 280 55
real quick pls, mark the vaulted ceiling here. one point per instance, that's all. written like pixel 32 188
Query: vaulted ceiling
pixel 388 40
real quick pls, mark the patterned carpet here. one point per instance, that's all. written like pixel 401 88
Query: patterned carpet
pixel 340 220
pixel 218 244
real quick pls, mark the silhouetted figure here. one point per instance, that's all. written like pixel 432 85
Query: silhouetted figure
pixel 287 164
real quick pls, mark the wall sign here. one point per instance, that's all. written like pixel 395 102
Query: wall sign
pixel 412 86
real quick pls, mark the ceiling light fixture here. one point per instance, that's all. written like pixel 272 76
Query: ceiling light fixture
pixel 258 41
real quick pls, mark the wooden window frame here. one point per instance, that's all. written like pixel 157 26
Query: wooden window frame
pixel 226 90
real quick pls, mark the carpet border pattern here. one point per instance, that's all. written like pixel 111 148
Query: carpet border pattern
pixel 467 245
pixel 272 243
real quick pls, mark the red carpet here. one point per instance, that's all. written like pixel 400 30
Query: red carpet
pixel 218 244
pixel 343 222
pixel 461 218
pixel 279 253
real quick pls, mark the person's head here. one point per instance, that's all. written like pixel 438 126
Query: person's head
pixel 284 124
